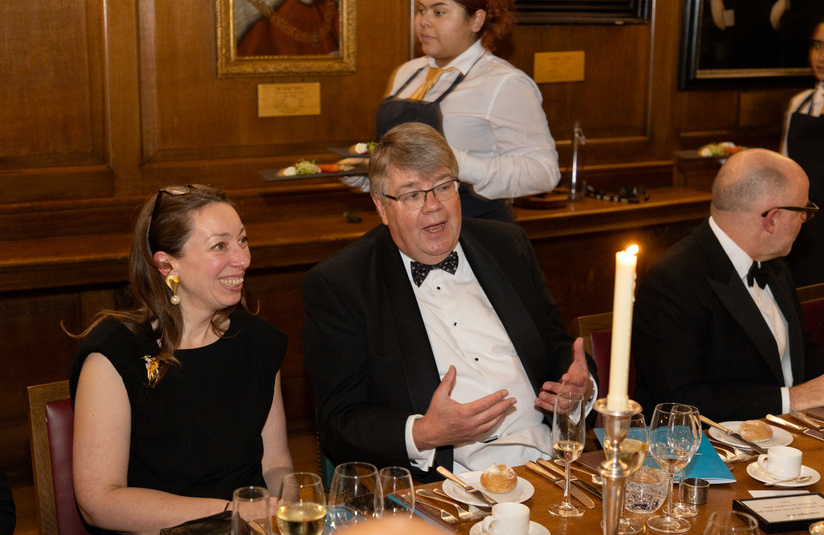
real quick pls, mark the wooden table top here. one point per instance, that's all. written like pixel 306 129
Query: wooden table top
pixel 720 497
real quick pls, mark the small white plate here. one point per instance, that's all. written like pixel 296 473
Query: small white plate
pixel 523 490
pixel 534 529
pixel 779 438
pixel 756 472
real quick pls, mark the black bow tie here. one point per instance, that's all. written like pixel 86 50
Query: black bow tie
pixel 420 271
pixel 758 274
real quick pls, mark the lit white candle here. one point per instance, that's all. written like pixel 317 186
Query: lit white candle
pixel 625 262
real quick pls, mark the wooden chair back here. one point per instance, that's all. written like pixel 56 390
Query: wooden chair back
pixel 51 422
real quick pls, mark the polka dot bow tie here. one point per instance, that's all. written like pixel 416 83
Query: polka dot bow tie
pixel 420 271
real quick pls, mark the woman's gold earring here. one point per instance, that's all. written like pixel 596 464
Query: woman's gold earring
pixel 172 282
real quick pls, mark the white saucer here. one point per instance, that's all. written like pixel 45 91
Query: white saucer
pixel 780 437
pixel 523 490
pixel 756 472
pixel 534 529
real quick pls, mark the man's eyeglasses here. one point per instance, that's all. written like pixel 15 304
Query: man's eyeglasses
pixel 809 211
pixel 414 200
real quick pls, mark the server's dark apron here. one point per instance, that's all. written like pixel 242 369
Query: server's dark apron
pixel 394 111
pixel 805 145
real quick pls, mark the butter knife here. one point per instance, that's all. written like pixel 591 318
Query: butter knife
pixel 574 480
pixel 469 489
pixel 801 417
pixel 577 493
pixel 733 434
pixel 801 429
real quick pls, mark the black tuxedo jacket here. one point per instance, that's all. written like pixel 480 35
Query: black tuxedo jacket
pixel 699 338
pixel 366 348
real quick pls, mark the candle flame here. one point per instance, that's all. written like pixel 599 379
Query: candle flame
pixel 632 249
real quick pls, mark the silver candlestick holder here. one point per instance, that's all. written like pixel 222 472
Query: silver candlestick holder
pixel 613 470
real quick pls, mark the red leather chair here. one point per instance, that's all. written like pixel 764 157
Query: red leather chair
pixel 813 310
pixel 51 423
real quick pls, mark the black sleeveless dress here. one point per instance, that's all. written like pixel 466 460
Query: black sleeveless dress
pixel 197 433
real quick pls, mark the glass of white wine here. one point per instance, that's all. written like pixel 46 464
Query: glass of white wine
pixel 568 428
pixel 633 451
pixel 674 434
pixel 301 507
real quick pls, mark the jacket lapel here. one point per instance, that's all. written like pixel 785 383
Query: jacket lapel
pixel 416 355
pixel 504 298
pixel 783 290
pixel 734 296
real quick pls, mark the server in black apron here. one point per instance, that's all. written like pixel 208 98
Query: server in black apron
pixel 489 112
pixel 803 142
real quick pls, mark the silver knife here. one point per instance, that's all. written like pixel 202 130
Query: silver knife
pixel 801 417
pixel 559 482
pixel 801 429
pixel 472 491
pixel 574 480
pixel 733 434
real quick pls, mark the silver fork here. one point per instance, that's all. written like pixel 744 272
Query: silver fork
pixel 734 454
pixel 463 514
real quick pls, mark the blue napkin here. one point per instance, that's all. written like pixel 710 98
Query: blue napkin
pixel 705 464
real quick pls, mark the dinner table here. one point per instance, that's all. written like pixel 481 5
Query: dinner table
pixel 720 497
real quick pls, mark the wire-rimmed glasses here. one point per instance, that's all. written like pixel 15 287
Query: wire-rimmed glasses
pixel 414 200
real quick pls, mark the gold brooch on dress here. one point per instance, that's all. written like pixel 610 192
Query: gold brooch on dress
pixel 152 368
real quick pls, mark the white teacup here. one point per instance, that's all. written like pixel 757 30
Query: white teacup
pixel 781 462
pixel 507 518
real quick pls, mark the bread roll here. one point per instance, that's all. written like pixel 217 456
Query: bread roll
pixel 755 431
pixel 499 478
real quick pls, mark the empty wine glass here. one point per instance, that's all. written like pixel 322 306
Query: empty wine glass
pixel 681 507
pixel 357 486
pixel 302 507
pixel 568 442
pixel 674 433
pixel 250 511
pixel 633 451
pixel 731 523
pixel 398 491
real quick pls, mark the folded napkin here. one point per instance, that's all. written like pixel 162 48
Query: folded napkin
pixel 705 464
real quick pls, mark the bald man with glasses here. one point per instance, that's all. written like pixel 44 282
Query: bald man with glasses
pixel 433 340
pixel 717 321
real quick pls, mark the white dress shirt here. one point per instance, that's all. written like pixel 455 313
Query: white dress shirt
pixel 464 331
pixel 812 108
pixel 494 122
pixel 764 299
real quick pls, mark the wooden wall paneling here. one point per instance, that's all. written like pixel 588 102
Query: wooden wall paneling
pixel 52 144
pixel 34 350
pixel 197 125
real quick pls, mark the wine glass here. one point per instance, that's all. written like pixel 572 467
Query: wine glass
pixel 250 511
pixel 357 485
pixel 731 523
pixel 568 442
pixel 398 491
pixel 302 507
pixel 673 437
pixel 680 507
pixel 633 451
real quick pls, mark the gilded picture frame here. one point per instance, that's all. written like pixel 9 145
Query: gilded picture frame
pixel 270 37
pixel 735 48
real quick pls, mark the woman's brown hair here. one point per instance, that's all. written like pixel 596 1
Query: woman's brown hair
pixel 164 223
pixel 499 19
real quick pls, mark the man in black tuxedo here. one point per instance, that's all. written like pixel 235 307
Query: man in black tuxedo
pixel 718 324
pixel 454 366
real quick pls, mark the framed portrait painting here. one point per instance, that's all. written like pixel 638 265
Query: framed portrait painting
pixel 742 42
pixel 264 37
